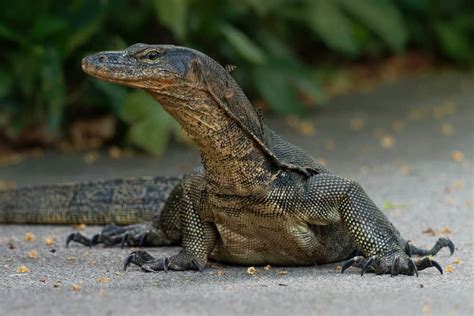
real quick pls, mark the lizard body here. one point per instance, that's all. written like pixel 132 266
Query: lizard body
pixel 257 199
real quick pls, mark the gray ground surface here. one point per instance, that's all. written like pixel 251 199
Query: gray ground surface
pixel 416 179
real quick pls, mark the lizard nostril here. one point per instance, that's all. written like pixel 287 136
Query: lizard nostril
pixel 101 58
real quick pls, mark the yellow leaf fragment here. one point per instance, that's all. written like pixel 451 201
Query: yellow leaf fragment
pixel 49 240
pixel 449 268
pixel 329 145
pixel 29 237
pixel 387 141
pixel 397 126
pixel 445 230
pixel 457 156
pixel 267 267
pixel 32 254
pixel 356 124
pixel 91 157
pixel 251 271
pixel 22 269
pixel 429 231
pixel 103 280
pixel 114 152
pixel 79 226
pixel 71 259
pixel 426 309
pixel 457 261
pixel 446 129
pixel 458 184
pixel 220 273
pixel 76 287
pixel 282 272
pixel 338 268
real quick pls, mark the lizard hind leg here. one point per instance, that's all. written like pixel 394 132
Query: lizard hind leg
pixel 181 261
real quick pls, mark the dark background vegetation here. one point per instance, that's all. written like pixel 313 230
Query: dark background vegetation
pixel 285 50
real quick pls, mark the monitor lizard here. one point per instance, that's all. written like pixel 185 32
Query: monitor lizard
pixel 255 200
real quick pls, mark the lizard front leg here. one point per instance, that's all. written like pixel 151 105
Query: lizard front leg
pixel 331 199
pixel 198 236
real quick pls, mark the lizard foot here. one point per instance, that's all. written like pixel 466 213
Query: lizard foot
pixel 440 244
pixel 132 235
pixel 181 261
pixel 391 263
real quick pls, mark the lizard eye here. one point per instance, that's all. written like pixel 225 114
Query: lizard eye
pixel 152 55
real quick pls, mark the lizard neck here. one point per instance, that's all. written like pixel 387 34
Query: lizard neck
pixel 233 162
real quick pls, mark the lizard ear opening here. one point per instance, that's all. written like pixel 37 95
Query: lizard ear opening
pixel 195 73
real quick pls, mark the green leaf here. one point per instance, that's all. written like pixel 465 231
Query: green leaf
pixel 326 19
pixel 173 14
pixel 382 17
pixel 455 43
pixel 115 93
pixel 150 125
pixel 53 89
pixel 243 45
pixel 5 82
pixel 274 86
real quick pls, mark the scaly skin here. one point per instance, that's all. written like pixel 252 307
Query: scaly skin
pixel 120 201
pixel 257 199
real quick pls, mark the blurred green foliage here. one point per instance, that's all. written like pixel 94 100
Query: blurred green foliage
pixel 276 44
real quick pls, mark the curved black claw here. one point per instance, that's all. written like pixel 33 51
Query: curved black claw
pixel 349 263
pixel 124 240
pixel 451 246
pixel 395 266
pixel 142 239
pixel 128 261
pixel 166 264
pixel 78 237
pixel 411 250
pixel 95 239
pixel 367 265
pixel 197 265
pixel 427 262
pixel 413 267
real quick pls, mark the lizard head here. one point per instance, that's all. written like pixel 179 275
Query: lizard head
pixel 150 67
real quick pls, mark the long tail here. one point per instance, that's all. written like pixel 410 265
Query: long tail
pixel 121 201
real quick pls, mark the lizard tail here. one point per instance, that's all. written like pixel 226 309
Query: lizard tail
pixel 121 201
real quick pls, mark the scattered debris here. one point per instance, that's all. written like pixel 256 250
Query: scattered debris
pixel 251 271
pixel 103 280
pixel 76 287
pixel 390 206
pixel 29 237
pixel 398 125
pixel 32 254
pixel 301 126
pixel 457 156
pixel 282 272
pixel 387 141
pixel 267 267
pixel 7 185
pixel 457 261
pixel 80 227
pixel 71 259
pixel 429 231
pixel 220 272
pixel 329 145
pixel 446 129
pixel 49 240
pixel 445 230
pixel 458 184
pixel 22 269
pixel 449 268
pixel 338 268
pixel 356 124
pixel 282 284
pixel 91 157
pixel 115 152
pixel 426 309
